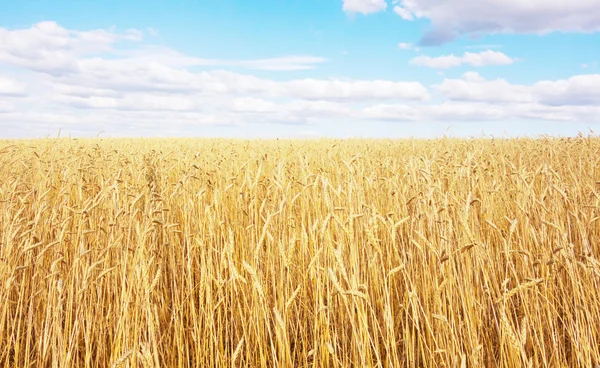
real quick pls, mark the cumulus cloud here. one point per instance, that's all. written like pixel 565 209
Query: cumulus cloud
pixel 9 86
pixel 5 107
pixel 473 87
pixel 165 55
pixel 132 102
pixel 297 111
pixel 101 75
pixel 114 82
pixel 457 111
pixel 483 58
pixel 84 76
pixel 460 111
pixel 393 112
pixel 452 18
pixel 364 6
pixel 281 64
pixel 579 90
pixel 50 48
pixel 403 13
pixel 355 90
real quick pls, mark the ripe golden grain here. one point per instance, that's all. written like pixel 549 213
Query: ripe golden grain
pixel 215 253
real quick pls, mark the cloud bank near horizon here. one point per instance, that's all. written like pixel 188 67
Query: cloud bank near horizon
pixel 88 81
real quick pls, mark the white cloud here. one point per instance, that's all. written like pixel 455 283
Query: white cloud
pixel 483 58
pixel 121 75
pixel 473 87
pixel 403 13
pixel 453 18
pixel 352 90
pixel 394 112
pixel 275 64
pixel 133 102
pixel 6 106
pixel 9 86
pixel 164 55
pixel 253 105
pixel 136 89
pixel 297 111
pixel 133 35
pixel 408 46
pixel 579 90
pixel 364 6
pixel 141 86
pixel 50 48
pixel 457 111
pixel 460 111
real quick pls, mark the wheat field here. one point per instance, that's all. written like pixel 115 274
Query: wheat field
pixel 300 253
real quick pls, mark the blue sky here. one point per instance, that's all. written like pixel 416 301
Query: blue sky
pixel 290 68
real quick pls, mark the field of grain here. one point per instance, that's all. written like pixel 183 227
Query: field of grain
pixel 231 253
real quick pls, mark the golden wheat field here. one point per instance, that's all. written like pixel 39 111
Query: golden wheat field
pixel 300 253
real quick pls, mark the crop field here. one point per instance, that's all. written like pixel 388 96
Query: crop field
pixel 300 253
